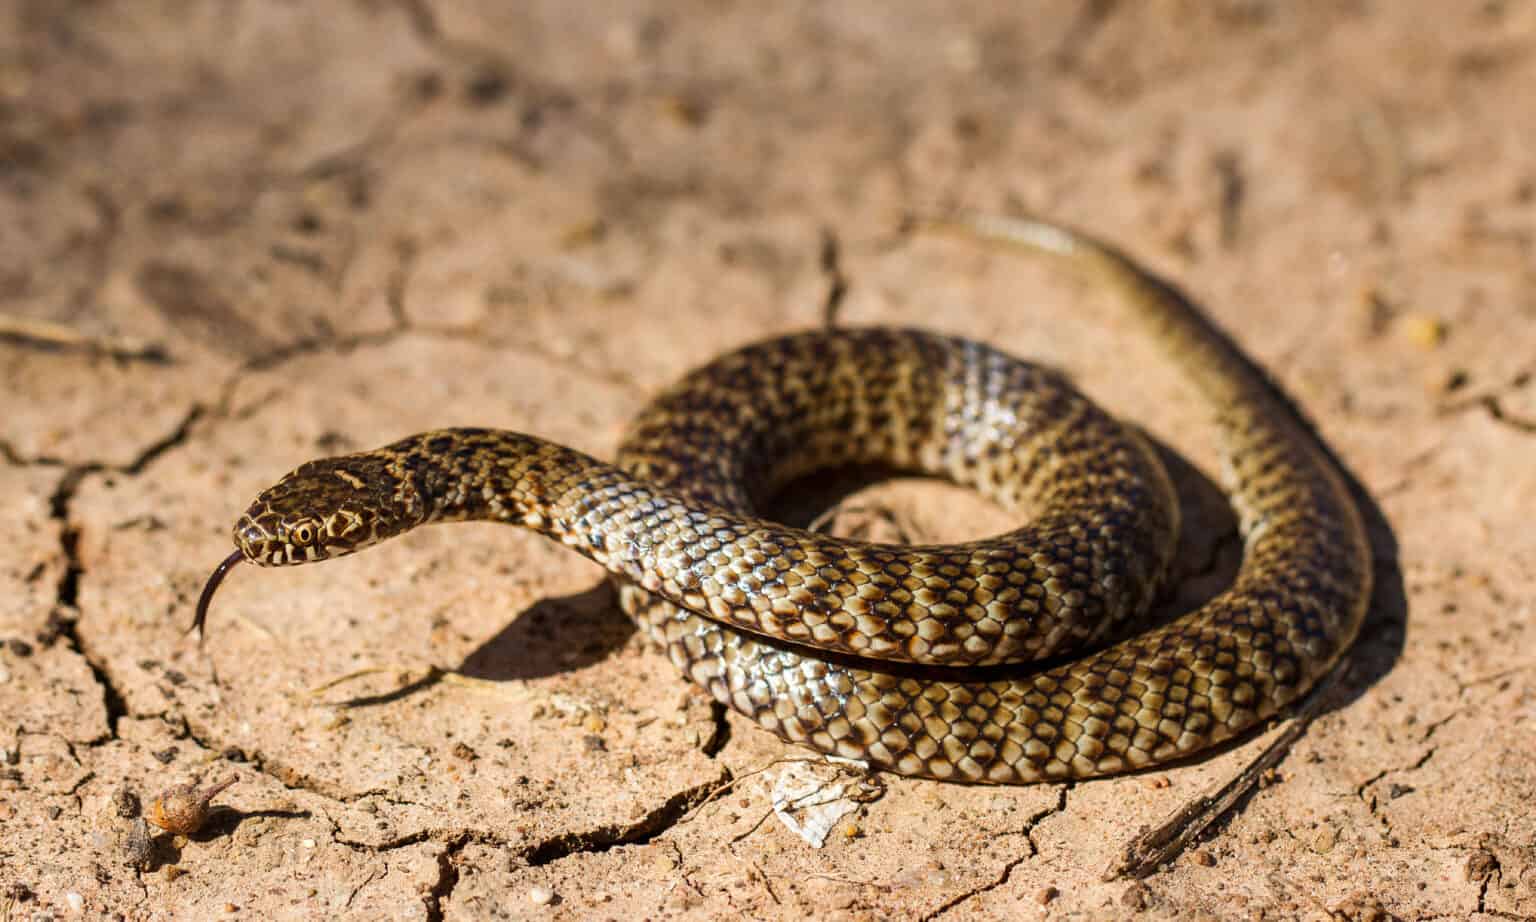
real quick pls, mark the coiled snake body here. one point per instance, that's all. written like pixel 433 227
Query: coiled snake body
pixel 919 660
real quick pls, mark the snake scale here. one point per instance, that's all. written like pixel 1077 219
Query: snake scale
pixel 1007 660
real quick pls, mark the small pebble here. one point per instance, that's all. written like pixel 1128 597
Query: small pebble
pixel 137 845
pixel 1045 895
pixel 1205 859
pixel 541 896
pixel 1480 865
pixel 183 809
pixel 1423 330
pixel 125 803
pixel 76 901
pixel 307 843
pixel 1324 841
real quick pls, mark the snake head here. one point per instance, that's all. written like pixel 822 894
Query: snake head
pixel 328 508
pixel 323 509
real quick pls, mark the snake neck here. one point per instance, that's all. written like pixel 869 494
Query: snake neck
pixel 458 475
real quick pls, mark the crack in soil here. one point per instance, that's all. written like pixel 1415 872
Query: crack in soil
pixel 1492 404
pixel 298 349
pixel 1496 410
pixel 600 839
pixel 1372 802
pixel 63 621
pixel 1003 876
pixel 597 840
pixel 721 734
pixel 447 879
pixel 494 78
pixel 830 260
pixel 643 830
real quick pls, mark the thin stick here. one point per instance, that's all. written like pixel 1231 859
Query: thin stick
pixel 1165 842
pixel 59 336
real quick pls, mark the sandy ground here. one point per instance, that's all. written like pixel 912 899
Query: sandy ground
pixel 274 230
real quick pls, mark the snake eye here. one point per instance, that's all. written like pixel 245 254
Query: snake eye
pixel 303 534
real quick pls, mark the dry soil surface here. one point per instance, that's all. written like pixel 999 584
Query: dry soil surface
pixel 238 235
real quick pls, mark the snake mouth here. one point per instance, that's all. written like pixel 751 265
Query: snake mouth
pixel 212 585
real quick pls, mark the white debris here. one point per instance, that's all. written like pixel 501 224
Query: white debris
pixel 809 802
pixel 541 896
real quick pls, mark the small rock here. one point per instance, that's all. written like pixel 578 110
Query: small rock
pixel 1045 895
pixel 1449 381
pixel 1423 330
pixel 306 843
pixel 19 647
pixel 1376 310
pixel 1480 865
pixel 126 804
pixel 486 88
pixel 1398 790
pixel 541 896
pixel 1323 842
pixel 76 901
pixel 138 846
pixel 1204 858
pixel 461 750
pixel 184 809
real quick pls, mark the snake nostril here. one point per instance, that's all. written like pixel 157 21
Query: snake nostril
pixel 249 535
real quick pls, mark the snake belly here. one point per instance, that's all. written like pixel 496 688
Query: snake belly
pixel 921 660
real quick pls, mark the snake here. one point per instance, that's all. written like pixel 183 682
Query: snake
pixel 1019 658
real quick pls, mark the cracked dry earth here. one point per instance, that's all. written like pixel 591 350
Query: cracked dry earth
pixel 270 231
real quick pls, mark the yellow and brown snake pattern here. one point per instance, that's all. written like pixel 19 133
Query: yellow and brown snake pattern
pixel 922 660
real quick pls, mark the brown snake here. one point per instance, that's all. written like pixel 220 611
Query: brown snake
pixel 910 657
